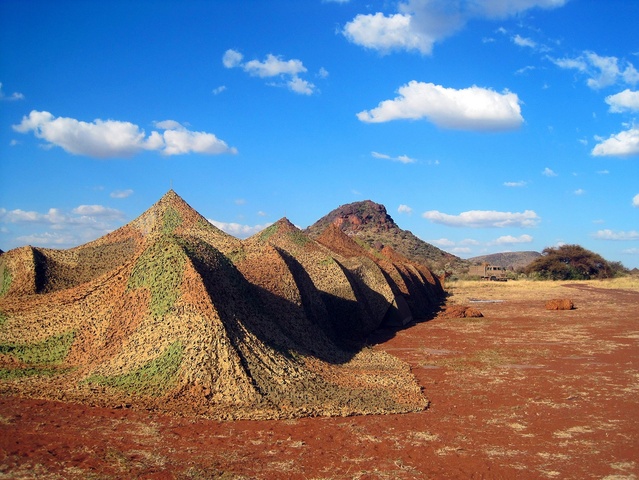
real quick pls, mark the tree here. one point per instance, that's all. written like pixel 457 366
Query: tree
pixel 572 262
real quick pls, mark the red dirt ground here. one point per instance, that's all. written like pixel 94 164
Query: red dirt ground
pixel 520 393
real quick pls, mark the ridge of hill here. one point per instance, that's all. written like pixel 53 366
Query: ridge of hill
pixel 170 313
pixel 508 260
pixel 370 223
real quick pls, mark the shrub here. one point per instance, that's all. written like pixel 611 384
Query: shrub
pixel 572 262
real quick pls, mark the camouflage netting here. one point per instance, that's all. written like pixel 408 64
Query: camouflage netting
pixel 170 313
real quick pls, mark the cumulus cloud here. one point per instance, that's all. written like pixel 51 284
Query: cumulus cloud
pixel 404 209
pixel 218 90
pixel 55 227
pixel 97 211
pixel 111 138
pixel 14 96
pixel 471 108
pixel 579 191
pixel 510 240
pixel 622 144
pixel 419 24
pixel 401 158
pixel 520 183
pixel 635 200
pixel 548 172
pixel 273 66
pixel 239 230
pixel 385 33
pixel 121 193
pixel 443 242
pixel 619 235
pixel 627 100
pixel 601 71
pixel 484 219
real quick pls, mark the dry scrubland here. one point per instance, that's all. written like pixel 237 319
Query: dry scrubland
pixel 521 392
pixel 463 291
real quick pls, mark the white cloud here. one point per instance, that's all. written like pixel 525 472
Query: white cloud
pixel 627 100
pixel 510 240
pixel 298 85
pixel 401 158
pixel 47 239
pixel 239 230
pixel 232 58
pixel 111 138
pixel 579 191
pixel 62 229
pixel 620 235
pixel 523 41
pixel 218 90
pixel 635 200
pixel 404 209
pixel 14 96
pixel 419 24
pixel 97 211
pixel 471 108
pixel 121 193
pixel 525 70
pixel 386 33
pixel 274 66
pixel 622 144
pixel 323 73
pixel 548 172
pixel 520 183
pixel 443 242
pixel 484 219
pixel 602 71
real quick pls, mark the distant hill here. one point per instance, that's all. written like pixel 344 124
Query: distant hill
pixel 369 222
pixel 509 260
pixel 170 313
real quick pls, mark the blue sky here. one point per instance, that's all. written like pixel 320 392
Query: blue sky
pixel 483 126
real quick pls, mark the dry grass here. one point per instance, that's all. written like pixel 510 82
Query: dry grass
pixel 464 291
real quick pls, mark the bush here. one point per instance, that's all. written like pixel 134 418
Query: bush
pixel 572 262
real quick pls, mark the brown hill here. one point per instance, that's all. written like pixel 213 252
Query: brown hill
pixel 369 223
pixel 169 312
pixel 508 260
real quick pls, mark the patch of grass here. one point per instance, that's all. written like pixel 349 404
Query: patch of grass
pixel 298 238
pixel 5 279
pixel 3 318
pixel 152 378
pixel 52 351
pixel 171 220
pixel 327 261
pixel 160 268
pixel 13 373
pixel 268 232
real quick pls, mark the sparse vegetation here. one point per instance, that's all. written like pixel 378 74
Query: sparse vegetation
pixel 171 220
pixel 153 378
pixel 53 350
pixel 160 268
pixel 5 279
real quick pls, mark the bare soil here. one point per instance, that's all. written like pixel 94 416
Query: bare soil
pixel 522 392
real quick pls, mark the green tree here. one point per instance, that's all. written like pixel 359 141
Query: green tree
pixel 572 262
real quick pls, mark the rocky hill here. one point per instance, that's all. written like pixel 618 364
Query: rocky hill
pixel 508 260
pixel 170 313
pixel 369 223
